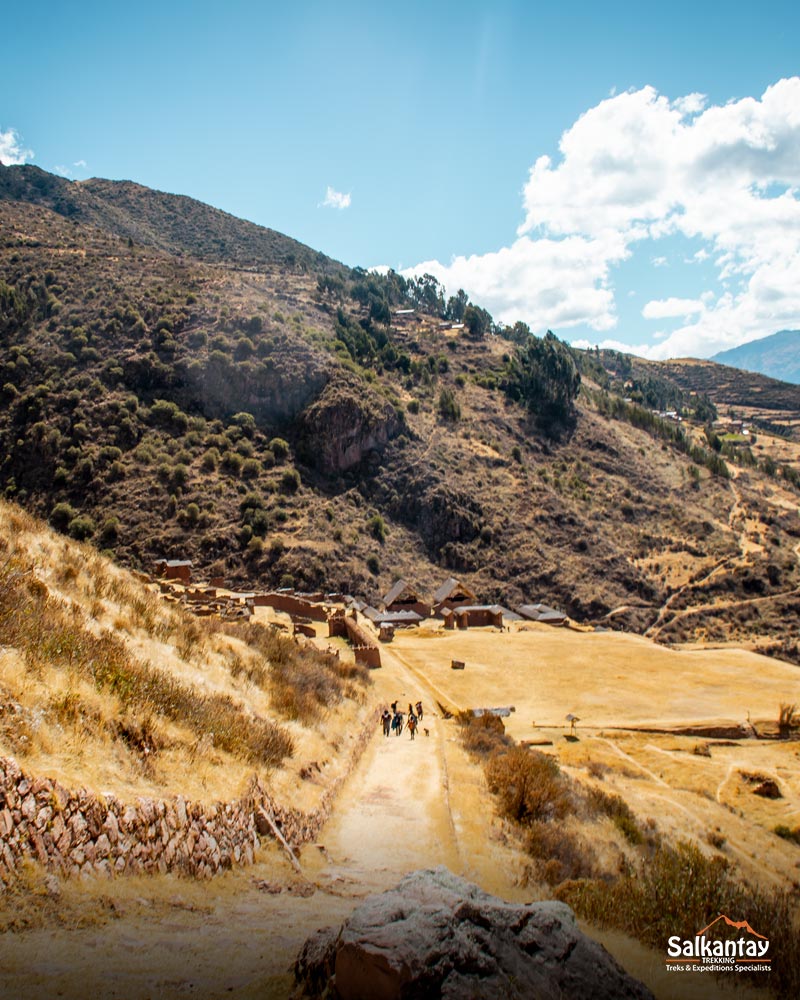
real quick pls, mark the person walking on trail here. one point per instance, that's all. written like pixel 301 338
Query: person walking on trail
pixel 397 723
pixel 419 710
pixel 386 721
pixel 412 725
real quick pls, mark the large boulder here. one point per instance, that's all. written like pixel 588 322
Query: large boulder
pixel 436 935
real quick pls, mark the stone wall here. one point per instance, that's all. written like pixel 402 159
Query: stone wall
pixel 293 605
pixel 78 832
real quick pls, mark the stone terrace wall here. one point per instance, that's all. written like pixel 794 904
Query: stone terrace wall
pixel 77 832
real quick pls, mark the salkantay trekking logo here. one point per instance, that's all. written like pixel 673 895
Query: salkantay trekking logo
pixel 748 952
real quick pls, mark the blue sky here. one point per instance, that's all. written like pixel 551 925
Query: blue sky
pixel 680 234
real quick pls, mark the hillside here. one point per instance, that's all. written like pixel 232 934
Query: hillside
pixel 128 784
pixel 107 686
pixel 777 356
pixel 172 223
pixel 287 427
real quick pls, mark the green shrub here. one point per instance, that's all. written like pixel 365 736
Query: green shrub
pixel 232 463
pixel 109 532
pixel 81 527
pixel 449 407
pixel 376 526
pixel 251 468
pixel 290 481
pixel 61 515
pixel 279 448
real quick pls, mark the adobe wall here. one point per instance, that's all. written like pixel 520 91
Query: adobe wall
pixel 367 651
pixel 292 605
pixel 78 832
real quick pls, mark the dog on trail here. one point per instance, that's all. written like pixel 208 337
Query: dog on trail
pixel 426 731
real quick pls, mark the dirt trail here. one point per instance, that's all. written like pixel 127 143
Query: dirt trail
pixel 407 805
pixel 393 815
pixel 400 810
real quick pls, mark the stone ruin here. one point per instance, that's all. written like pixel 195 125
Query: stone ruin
pixel 76 832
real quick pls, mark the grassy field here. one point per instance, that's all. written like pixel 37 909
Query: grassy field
pixel 631 696
pixel 606 679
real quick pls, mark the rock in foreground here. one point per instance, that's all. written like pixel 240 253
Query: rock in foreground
pixel 436 935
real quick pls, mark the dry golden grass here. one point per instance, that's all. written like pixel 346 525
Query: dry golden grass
pixel 104 684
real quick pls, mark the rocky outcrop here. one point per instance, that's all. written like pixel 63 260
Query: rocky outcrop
pixel 346 422
pixel 441 514
pixel 436 935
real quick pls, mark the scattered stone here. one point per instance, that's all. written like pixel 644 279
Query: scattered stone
pixel 437 935
pixel 302 889
pixel 768 790
pixel 273 888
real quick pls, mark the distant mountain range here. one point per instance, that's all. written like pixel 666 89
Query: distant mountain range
pixel 777 356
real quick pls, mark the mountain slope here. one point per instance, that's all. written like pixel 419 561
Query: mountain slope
pixel 281 429
pixel 777 356
pixel 172 223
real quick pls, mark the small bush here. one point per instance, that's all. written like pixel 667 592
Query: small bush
pixel 232 462
pixel 61 515
pixel 279 448
pixel 529 785
pixel 449 407
pixel 290 481
pixel 81 528
pixel 251 468
pixel 483 735
pixel 376 526
pixel 561 854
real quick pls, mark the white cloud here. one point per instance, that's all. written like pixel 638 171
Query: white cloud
pixel 659 262
pixel 11 150
pixel 666 308
pixel 560 283
pixel 80 163
pixel 638 167
pixel 335 199
pixel 62 171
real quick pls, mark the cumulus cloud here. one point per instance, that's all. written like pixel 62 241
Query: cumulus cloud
pixel 335 199
pixel 560 282
pixel 12 151
pixel 666 308
pixel 639 167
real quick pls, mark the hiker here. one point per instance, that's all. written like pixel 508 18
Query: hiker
pixel 412 725
pixel 419 710
pixel 394 708
pixel 386 720
pixel 410 709
pixel 397 723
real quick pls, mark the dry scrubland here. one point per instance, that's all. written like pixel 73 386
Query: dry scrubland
pixel 104 686
pixel 615 684
pixel 636 823
pixel 107 686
